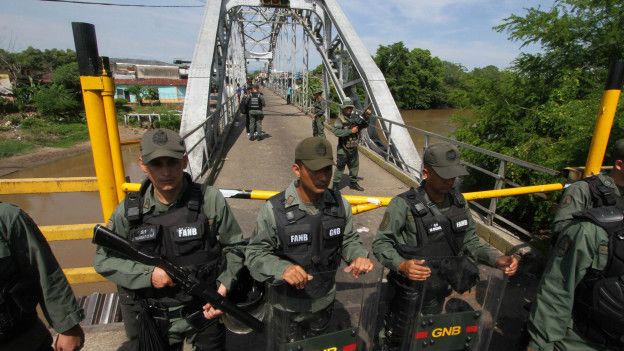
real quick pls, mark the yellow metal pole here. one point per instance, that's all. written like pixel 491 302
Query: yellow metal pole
pixel 525 190
pixel 108 95
pixel 92 86
pixel 102 161
pixel 604 122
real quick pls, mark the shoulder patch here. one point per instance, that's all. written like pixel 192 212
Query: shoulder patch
pixel 567 200
pixel 562 246
pixel 290 200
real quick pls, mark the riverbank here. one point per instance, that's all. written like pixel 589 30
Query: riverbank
pixel 43 155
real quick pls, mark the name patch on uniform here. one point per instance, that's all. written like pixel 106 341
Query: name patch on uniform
pixel 296 239
pixel 461 224
pixel 435 228
pixel 186 232
pixel 145 234
pixel 334 232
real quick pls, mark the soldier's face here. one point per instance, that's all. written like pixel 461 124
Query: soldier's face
pixel 437 183
pixel 313 181
pixel 165 173
pixel 347 111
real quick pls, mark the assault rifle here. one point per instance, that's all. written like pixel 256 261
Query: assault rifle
pixel 105 237
pixel 361 119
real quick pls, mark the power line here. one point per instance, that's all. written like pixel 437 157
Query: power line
pixel 116 4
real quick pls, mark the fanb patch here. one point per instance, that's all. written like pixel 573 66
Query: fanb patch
pixel 562 246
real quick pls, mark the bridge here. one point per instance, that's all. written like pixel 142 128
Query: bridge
pixel 281 33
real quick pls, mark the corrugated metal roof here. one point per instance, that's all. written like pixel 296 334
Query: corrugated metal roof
pixel 152 81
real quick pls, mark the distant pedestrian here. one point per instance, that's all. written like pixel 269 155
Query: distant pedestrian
pixel 244 110
pixel 289 92
pixel 255 103
pixel 239 92
pixel 318 123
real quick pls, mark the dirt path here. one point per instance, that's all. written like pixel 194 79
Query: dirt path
pixel 45 155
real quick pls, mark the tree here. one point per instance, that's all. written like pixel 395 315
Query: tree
pixel 138 91
pixel 543 109
pixel 415 78
pixel 68 76
pixel 54 101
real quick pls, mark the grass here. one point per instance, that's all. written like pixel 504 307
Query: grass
pixel 10 148
pixel 37 132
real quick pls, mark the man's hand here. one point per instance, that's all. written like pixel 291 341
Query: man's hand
pixel 70 340
pixel 354 129
pixel 161 279
pixel 296 276
pixel 415 269
pixel 211 312
pixel 509 264
pixel 359 266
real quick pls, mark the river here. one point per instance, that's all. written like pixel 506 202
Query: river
pixel 70 208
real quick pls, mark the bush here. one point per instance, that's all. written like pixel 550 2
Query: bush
pixel 120 103
pixel 169 120
pixel 7 106
pixel 13 147
pixel 54 101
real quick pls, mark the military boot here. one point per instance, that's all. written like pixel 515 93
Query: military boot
pixel 355 186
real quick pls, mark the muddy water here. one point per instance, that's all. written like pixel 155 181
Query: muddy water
pixel 74 208
pixel 71 208
pixel 435 121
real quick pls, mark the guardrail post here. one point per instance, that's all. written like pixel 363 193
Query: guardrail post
pixel 90 68
pixel 389 142
pixel 500 181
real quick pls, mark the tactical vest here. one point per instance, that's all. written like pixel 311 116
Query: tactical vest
pixel 312 242
pixel 182 235
pixel 254 102
pixel 439 228
pixel 601 194
pixel 598 310
pixel 350 141
pixel 19 295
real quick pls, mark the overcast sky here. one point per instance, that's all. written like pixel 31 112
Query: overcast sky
pixel 459 31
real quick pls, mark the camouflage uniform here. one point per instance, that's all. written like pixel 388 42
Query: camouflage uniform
pixel 31 275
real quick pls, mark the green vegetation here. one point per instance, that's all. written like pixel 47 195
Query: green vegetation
pixel 10 148
pixel 544 108
pixel 46 109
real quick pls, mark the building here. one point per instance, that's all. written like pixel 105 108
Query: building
pixel 168 79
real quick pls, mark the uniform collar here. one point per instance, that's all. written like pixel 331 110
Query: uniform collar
pixel 292 197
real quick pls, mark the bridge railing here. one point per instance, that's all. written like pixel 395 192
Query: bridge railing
pixel 499 175
pixel 215 129
pixel 381 141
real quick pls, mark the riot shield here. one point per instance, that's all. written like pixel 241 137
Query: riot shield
pixel 454 309
pixel 327 315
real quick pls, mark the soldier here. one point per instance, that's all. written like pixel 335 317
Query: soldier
pixel 300 233
pixel 348 134
pixel 30 275
pixel 255 103
pixel 579 299
pixel 432 220
pixel 602 189
pixel 187 223
pixel 318 123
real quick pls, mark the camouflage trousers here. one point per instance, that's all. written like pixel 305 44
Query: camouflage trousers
pixel 347 157
pixel 318 126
